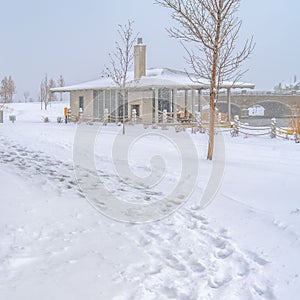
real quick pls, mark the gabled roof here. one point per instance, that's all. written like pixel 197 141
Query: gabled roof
pixel 155 78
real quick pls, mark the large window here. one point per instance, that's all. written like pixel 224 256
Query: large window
pixel 122 106
pixel 111 100
pixel 98 105
pixel 164 100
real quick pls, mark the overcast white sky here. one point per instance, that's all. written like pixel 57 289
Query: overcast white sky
pixel 73 38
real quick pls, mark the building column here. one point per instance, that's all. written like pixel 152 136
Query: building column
pixel 193 105
pixel 199 101
pixel 229 104
pixel 156 106
pixel 117 106
pixel 174 105
pixel 185 104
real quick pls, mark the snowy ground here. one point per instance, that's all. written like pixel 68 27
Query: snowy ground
pixel 55 245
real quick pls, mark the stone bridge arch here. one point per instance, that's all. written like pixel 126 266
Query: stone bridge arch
pixel 275 108
pixel 222 106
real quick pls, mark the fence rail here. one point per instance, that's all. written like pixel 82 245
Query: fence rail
pixel 273 131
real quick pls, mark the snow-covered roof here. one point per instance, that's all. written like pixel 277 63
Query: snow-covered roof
pixel 155 78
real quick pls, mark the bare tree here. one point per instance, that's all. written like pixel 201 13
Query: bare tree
pixel 52 96
pixel 44 92
pixel 26 96
pixel 4 91
pixel 46 97
pixel 121 60
pixel 11 89
pixel 212 27
pixel 60 83
pixel 8 89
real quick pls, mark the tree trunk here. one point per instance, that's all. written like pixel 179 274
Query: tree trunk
pixel 211 125
pixel 212 110
pixel 41 96
pixel 124 104
pixel 213 87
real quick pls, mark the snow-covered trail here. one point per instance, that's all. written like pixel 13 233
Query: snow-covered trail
pixel 181 257
pixel 36 165
pixel 190 259
pixel 54 245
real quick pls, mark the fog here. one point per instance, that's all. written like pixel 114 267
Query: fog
pixel 73 38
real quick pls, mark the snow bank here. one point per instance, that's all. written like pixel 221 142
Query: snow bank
pixel 54 245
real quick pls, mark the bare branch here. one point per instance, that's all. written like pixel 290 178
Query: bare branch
pixel 121 60
pixel 211 26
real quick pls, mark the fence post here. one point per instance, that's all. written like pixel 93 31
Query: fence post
pixel 199 122
pixel 273 128
pixel 165 119
pixel 133 116
pixel 236 128
pixel 219 118
pixel 105 119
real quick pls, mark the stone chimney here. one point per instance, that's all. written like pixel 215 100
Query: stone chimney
pixel 139 59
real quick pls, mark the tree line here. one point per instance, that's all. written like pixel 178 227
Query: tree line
pixel 8 90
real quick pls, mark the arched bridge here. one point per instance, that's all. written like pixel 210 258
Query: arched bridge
pixel 268 104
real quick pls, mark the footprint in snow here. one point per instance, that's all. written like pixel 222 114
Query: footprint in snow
pixel 223 253
pixel 256 258
pixel 196 259
pixel 217 281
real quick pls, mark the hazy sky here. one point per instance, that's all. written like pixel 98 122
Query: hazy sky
pixel 73 38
